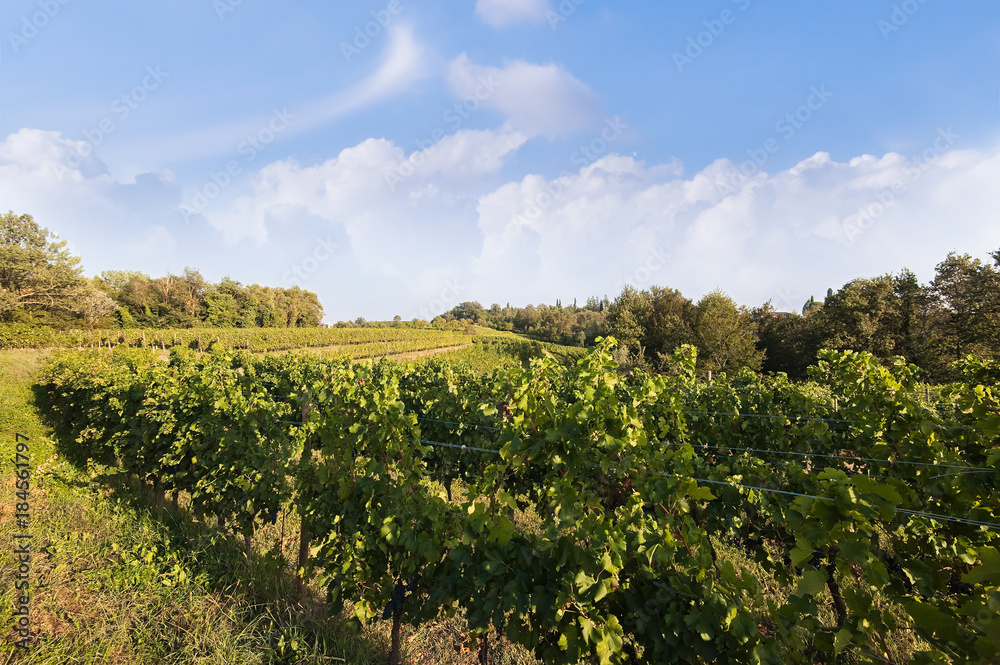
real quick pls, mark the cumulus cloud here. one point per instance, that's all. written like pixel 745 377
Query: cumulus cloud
pixel 452 229
pixel 537 99
pixel 501 13
pixel 68 189
pixel 115 224
pixel 405 217
pixel 780 237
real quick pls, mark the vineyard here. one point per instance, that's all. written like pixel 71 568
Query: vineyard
pixel 585 514
pixel 374 340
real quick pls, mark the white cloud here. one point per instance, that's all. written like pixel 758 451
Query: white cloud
pixel 111 223
pixel 538 99
pixel 468 153
pixel 452 230
pixel 781 237
pixel 501 13
pixel 383 199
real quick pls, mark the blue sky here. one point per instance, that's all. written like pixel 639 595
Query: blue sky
pixel 506 150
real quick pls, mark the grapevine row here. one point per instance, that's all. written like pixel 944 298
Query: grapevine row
pixel 201 339
pixel 642 487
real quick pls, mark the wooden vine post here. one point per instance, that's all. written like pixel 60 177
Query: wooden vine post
pixel 300 583
pixel 159 495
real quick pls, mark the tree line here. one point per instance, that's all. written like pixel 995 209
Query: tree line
pixel 930 325
pixel 42 283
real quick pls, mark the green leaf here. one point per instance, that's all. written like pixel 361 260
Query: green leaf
pixel 603 587
pixel 701 494
pixel 812 582
pixel 989 571
pixel 588 630
pixel 869 486
pixel 568 642
pixel 607 563
pixel 802 551
pixel 583 581
pixel 929 619
pixel 841 640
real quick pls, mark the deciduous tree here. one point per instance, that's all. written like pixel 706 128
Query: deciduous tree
pixel 37 272
pixel 726 335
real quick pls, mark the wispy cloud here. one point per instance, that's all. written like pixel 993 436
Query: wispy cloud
pixel 403 64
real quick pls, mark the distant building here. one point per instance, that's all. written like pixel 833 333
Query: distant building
pixel 811 306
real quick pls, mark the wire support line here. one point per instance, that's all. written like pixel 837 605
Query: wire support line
pixel 949 518
pixel 821 420
pixel 782 416
pixel 840 457
pixel 451 422
pixel 916 513
pixel 748 487
pixel 962 473
pixel 455 445
pixel 769 415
